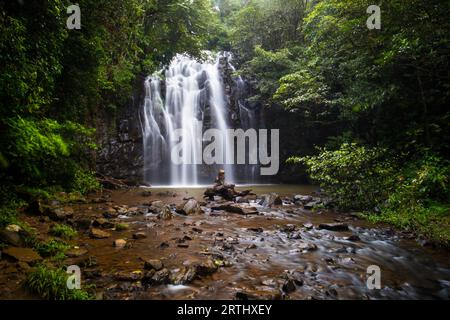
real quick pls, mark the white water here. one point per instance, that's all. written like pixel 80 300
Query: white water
pixel 190 86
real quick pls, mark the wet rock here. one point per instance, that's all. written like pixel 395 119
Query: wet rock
pixel 110 213
pixel 76 252
pixel 182 245
pixel 289 228
pixel 262 294
pixel 120 243
pixel 188 208
pixel 82 223
pixel 184 275
pixel 99 200
pixel 60 214
pixel 103 223
pixel 353 238
pixel 153 277
pixel 305 246
pixel 311 205
pixel 269 200
pixel 22 254
pixel 252 246
pixel 243 209
pixel 308 226
pixel 257 230
pixel 302 199
pixel 334 226
pixel 153 264
pixel 128 276
pixel 242 200
pixel 13 235
pixel 205 268
pixel 295 236
pixel 156 206
pixel 139 235
pixel 289 286
pixel 99 234
pixel 164 245
pixel 165 213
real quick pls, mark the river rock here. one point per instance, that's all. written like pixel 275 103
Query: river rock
pixel 153 264
pixel 139 235
pixel 76 252
pixel 306 246
pixel 334 226
pixel 120 243
pixel 156 206
pixel 243 209
pixel 289 286
pixel 128 276
pixel 12 235
pixel 269 200
pixel 165 213
pixel 153 277
pixel 184 275
pixel 110 213
pixel 22 254
pixel 103 223
pixel 82 223
pixel 99 234
pixel 60 214
pixel 189 207
pixel 302 199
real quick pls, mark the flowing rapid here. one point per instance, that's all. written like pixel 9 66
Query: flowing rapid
pixel 188 95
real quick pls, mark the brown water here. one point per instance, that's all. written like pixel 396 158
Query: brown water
pixel 260 259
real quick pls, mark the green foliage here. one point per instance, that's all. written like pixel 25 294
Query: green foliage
pixel 63 231
pixel 52 248
pixel 356 177
pixel 85 182
pixel 420 200
pixel 51 284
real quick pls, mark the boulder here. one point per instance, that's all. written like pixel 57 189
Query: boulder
pixel 22 254
pixel 99 234
pixel 82 223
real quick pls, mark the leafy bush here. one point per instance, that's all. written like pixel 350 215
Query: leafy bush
pixel 52 284
pixel 356 177
pixel 63 231
pixel 420 200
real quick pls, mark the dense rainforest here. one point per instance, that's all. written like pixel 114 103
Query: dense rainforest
pixel 363 113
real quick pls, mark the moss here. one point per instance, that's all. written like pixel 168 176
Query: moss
pixel 122 226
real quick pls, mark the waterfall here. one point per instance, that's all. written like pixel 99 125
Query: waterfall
pixel 188 95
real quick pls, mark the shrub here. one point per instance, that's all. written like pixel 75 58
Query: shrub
pixel 356 177
pixel 52 284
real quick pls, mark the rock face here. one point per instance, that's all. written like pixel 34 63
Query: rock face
pixel 22 254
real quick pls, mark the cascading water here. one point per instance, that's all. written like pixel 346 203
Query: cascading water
pixel 195 100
